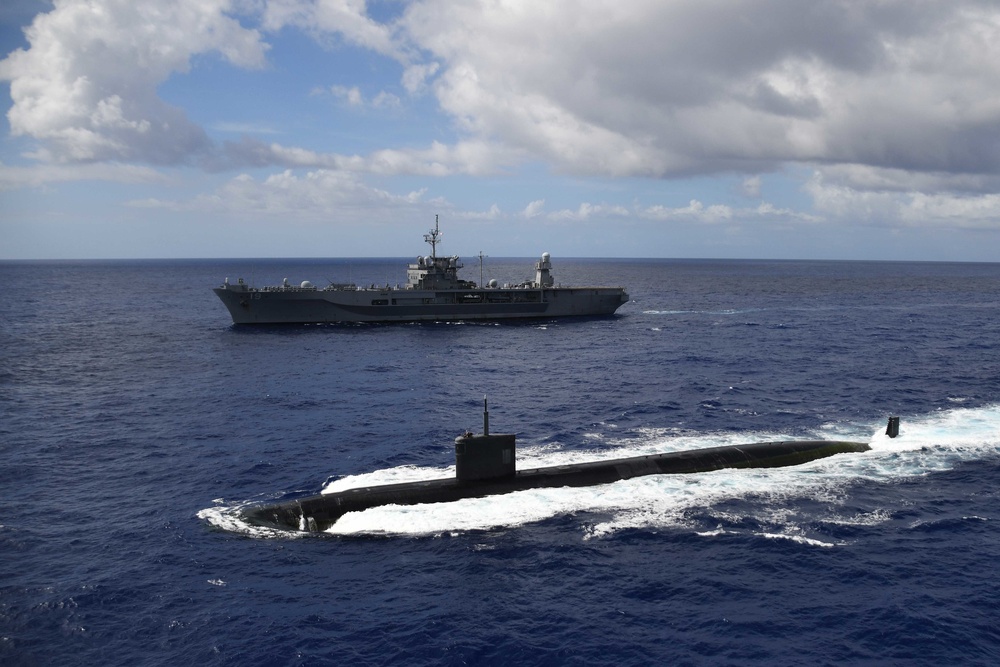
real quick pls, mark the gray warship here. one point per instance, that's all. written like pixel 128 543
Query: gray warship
pixel 433 292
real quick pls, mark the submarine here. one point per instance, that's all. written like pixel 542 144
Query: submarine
pixel 485 466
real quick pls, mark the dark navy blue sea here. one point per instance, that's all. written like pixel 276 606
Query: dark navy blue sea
pixel 135 421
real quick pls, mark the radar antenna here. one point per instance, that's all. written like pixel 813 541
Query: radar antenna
pixel 433 237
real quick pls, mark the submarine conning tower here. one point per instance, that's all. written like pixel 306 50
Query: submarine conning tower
pixel 485 456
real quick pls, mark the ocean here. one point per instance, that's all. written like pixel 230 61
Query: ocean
pixel 136 420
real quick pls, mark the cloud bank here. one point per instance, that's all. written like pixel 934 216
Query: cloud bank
pixel 894 105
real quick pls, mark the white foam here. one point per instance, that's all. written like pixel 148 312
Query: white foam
pixel 926 444
pixel 389 476
pixel 797 538
pixel 230 519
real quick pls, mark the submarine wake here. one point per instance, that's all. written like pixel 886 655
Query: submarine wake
pixel 485 465
pixel 710 504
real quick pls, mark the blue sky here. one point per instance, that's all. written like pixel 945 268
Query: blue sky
pixel 661 128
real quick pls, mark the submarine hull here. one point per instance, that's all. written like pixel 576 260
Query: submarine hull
pixel 320 512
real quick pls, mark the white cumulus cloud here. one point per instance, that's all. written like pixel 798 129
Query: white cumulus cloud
pixel 312 195
pixel 86 86
pixel 534 209
pixel 671 88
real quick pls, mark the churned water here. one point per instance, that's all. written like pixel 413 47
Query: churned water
pixel 135 421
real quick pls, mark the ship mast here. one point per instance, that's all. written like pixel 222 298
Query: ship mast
pixel 433 237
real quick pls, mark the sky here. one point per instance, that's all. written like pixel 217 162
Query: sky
pixel 759 129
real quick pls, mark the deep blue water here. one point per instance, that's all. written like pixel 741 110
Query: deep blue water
pixel 135 420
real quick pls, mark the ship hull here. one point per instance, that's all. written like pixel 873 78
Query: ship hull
pixel 290 305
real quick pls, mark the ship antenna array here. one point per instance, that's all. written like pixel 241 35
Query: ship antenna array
pixel 433 237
